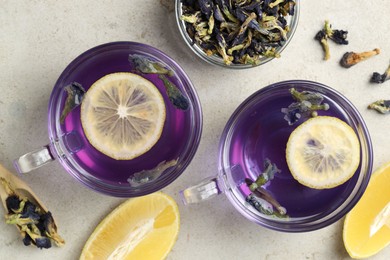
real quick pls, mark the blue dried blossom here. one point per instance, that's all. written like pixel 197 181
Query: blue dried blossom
pixel 175 95
pixel 307 104
pixel 380 78
pixel 75 96
pixel 230 27
pixel 381 106
pixel 260 198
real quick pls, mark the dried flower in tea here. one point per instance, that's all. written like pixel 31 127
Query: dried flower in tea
pixel 307 104
pixel 147 66
pixel 382 106
pixel 260 198
pixel 352 58
pixel 146 176
pixel 175 96
pixel 75 96
pixel 239 31
pixel 380 78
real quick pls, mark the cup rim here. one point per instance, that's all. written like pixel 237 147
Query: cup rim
pixel 91 181
pixel 218 61
pixel 311 223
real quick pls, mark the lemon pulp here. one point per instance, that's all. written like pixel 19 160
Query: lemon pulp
pixel 367 225
pixel 123 115
pixel 323 152
pixel 141 228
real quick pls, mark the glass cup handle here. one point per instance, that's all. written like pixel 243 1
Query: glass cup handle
pixel 208 188
pixel 33 160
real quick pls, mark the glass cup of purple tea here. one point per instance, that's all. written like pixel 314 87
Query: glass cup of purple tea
pixel 124 119
pixel 253 169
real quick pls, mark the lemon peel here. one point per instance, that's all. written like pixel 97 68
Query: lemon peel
pixel 141 228
pixel 366 228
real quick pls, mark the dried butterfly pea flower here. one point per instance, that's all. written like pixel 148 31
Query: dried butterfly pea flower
pixel 14 204
pixel 147 66
pixel 338 36
pixel 228 28
pixel 75 92
pixel 380 78
pixel 36 226
pixel 175 96
pixel 382 106
pixel 266 176
pixel 352 58
pixel 260 198
pixel 322 38
pixel 263 206
pixel 307 104
pixel 146 176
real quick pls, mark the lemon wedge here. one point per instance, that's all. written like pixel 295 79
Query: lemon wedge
pixel 323 152
pixel 367 226
pixel 141 228
pixel 123 115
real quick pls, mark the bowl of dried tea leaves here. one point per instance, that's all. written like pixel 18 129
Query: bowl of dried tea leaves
pixel 237 34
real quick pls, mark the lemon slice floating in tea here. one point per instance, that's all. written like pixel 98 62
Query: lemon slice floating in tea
pixel 141 228
pixel 123 115
pixel 367 225
pixel 323 152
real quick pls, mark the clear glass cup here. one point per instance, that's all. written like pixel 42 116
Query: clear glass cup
pixel 217 60
pixel 68 144
pixel 256 131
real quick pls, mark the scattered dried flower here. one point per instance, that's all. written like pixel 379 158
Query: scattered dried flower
pixel 338 36
pixel 382 106
pixel 352 58
pixel 380 78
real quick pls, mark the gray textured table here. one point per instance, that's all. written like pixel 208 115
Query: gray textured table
pixel 39 38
